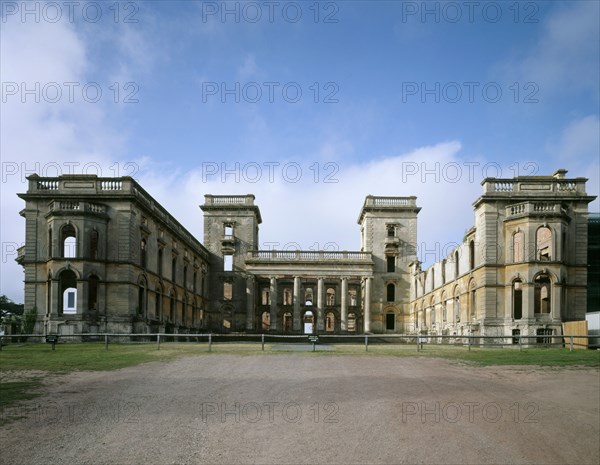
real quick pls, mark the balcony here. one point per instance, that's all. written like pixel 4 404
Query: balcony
pixel 534 209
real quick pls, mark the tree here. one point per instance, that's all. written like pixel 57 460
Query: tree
pixel 29 320
pixel 9 308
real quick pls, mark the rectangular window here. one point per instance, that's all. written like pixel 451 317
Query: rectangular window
pixel 227 291
pixel 390 321
pixel 228 263
pixel 391 264
pixel 228 230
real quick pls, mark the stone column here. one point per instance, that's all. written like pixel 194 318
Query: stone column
pixel 367 310
pixel 296 320
pixel 250 303
pixel 528 301
pixel 344 304
pixel 555 301
pixel 273 310
pixel 320 292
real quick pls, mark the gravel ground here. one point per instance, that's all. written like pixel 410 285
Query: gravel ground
pixel 302 408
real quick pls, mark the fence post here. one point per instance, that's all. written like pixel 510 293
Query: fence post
pixel 366 342
pixel 571 344
pixel 417 339
pixel 520 343
pixel 262 342
pixel 209 342
pixel 158 341
pixel 106 342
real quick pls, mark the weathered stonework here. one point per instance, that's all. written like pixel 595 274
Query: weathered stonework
pixel 102 255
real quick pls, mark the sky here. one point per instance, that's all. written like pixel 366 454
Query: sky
pixel 310 106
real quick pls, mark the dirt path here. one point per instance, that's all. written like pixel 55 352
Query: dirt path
pixel 300 408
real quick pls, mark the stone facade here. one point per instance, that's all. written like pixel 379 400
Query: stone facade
pixel 102 255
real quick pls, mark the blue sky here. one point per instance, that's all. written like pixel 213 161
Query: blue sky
pixel 349 99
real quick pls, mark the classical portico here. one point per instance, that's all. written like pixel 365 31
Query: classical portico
pixel 291 287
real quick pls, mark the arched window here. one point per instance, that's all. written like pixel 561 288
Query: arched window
pixel 330 296
pixel 174 269
pixel 93 292
pixel 517 299
pixel 195 279
pixel 432 317
pixel 352 297
pixel 391 293
pixel 158 303
pixel 185 283
pixel 141 309
pixel 68 239
pixel 518 246
pixel 444 310
pixel 308 296
pixel 265 296
pixel 159 261
pixel 287 322
pixel 330 322
pixel 456 306
pixel 543 243
pixel 444 271
pixel 68 289
pixel 184 310
pixel 471 255
pixel 172 307
pixel 287 296
pixel 456 264
pixel 542 294
pixel 472 301
pixel 265 321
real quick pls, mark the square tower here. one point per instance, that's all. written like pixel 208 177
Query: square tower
pixel 388 228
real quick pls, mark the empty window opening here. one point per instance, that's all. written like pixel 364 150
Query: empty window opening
pixel 143 253
pixel 330 322
pixel 265 321
pixel 391 293
pixel 518 246
pixel 352 297
pixel 265 296
pixel 287 296
pixel 287 322
pixel 544 243
pixel 69 241
pixel 391 264
pixel 93 292
pixel 308 296
pixel 542 294
pixel 515 336
pixel 471 255
pixel 330 296
pixel 228 263
pixel 68 288
pixel 227 291
pixel 517 298
pixel 390 321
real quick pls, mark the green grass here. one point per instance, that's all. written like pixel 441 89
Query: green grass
pixel 93 357
pixel 88 357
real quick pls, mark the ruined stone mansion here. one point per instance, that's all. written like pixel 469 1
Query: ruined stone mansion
pixel 102 255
